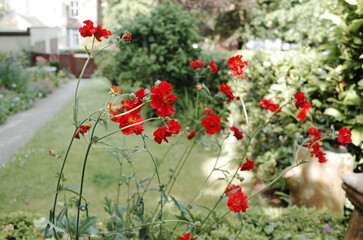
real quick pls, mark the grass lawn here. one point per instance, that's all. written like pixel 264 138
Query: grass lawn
pixel 28 181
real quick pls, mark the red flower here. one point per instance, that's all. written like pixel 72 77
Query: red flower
pixel 191 135
pixel 83 129
pixel 211 124
pixel 315 139
pixel 196 63
pixel 231 188
pixel 314 132
pixel 302 114
pixel 208 111
pixel 126 37
pixel 227 91
pixel 174 126
pixel 247 165
pixel 186 237
pixel 301 101
pixel 198 87
pixel 237 201
pixel 344 136
pixel 88 30
pixel 237 65
pixel 213 66
pixel 269 105
pixel 161 133
pixel 237 133
pixel 115 90
pixel 162 98
pixel 129 119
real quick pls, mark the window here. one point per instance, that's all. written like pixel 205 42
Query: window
pixel 73 38
pixel 73 10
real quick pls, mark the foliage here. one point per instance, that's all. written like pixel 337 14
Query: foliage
pixel 19 87
pixel 281 223
pixel 18 225
pixel 161 48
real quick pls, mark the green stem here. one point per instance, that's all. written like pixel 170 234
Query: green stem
pixel 159 181
pixel 79 80
pixel 82 177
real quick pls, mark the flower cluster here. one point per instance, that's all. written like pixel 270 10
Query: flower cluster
pixel 237 65
pixel 88 30
pixel 213 67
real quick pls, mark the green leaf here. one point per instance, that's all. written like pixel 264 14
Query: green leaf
pixel 334 113
pixel 357 135
pixel 182 208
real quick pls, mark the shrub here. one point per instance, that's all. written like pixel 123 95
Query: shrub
pixel 162 45
pixel 18 225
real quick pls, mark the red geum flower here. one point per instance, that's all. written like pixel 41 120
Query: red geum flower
pixel 227 91
pixel 126 37
pixel 231 188
pixel 237 201
pixel 88 30
pixel 130 119
pixel 237 133
pixel 302 114
pixel 115 90
pixel 212 124
pixel 186 236
pixel 213 66
pixel 162 98
pixel 237 65
pixel 301 101
pixel 198 87
pixel 247 165
pixel 315 139
pixel 269 105
pixel 191 135
pixel 160 134
pixel 83 129
pixel 100 32
pixel 196 63
pixel 208 111
pixel 345 136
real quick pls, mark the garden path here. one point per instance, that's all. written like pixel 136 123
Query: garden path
pixel 21 127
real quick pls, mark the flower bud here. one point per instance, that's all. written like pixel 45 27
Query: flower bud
pixel 198 224
pixel 157 83
pixel 133 96
pixel 167 120
pixel 89 124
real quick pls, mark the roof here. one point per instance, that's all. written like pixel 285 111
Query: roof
pixel 14 21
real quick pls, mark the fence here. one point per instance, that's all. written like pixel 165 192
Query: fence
pixel 71 62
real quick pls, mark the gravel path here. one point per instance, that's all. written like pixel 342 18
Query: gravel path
pixel 21 127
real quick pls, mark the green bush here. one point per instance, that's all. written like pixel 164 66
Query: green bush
pixel 161 48
pixel 18 225
pixel 280 223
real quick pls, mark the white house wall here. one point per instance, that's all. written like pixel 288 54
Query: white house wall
pixel 14 43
